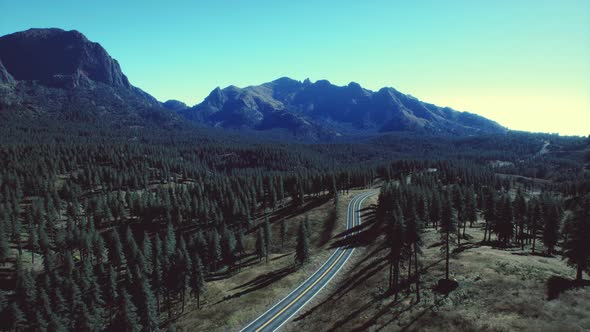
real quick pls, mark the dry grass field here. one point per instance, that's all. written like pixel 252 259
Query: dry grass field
pixel 499 290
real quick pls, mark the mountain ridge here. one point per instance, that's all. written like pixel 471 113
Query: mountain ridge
pixel 59 74
pixel 350 108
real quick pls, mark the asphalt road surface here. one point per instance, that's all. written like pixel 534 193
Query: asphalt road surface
pixel 280 313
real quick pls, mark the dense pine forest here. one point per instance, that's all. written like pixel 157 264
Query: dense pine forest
pixel 114 229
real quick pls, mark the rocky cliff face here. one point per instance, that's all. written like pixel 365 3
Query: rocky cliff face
pixel 57 74
pixel 5 77
pixel 59 58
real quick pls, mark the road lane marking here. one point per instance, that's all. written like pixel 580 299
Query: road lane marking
pixel 350 251
pixel 356 200
pixel 313 275
pixel 352 216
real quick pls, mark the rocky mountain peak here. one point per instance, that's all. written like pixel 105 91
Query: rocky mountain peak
pixel 59 58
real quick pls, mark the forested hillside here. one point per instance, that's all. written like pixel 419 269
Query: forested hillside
pixel 105 227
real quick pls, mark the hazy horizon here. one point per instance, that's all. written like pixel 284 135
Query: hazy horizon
pixel 525 65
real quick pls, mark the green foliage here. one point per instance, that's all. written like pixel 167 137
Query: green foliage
pixel 576 246
pixel 302 246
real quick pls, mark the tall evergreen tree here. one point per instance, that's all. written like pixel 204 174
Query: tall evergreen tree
pixel 576 246
pixel 111 294
pixel 551 228
pixel 26 291
pixel 267 237
pixel 435 210
pixel 302 247
pixel 127 317
pixel 520 213
pixel 395 230
pixel 228 247
pixel 197 283
pixel 447 227
pixel 504 221
pixel 17 317
pixel 413 239
pixel 147 306
pixel 5 251
pixel 170 241
pixel 536 220
pixel 260 245
pixel 284 230
pixel 490 213
pixel 214 250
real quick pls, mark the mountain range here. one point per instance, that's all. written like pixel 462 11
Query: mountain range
pixel 57 74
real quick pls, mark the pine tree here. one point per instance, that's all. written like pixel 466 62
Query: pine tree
pixel 284 230
pixel 435 210
pixel 17 317
pixel 551 227
pixel 116 248
pixel 157 281
pixel 214 250
pixel 302 247
pixel 170 241
pixel 5 251
pixel 85 321
pixel 240 246
pixel 260 245
pixel 459 206
pixel 447 227
pixel 520 212
pixel 149 317
pixel 470 208
pixel 56 324
pixel 413 238
pixel 576 246
pixel 26 291
pixel 490 214
pixel 3 301
pixel 228 247
pixel 197 283
pixel 33 242
pixel 147 250
pixel 537 219
pixel 127 317
pixel 110 292
pixel 395 233
pixel 504 221
pixel 267 237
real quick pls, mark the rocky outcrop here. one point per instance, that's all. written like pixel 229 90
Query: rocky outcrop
pixel 59 58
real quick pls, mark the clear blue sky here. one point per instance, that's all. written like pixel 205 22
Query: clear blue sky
pixel 525 63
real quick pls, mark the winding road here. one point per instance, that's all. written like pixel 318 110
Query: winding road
pixel 280 313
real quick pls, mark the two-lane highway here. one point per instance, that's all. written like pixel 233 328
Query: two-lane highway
pixel 281 312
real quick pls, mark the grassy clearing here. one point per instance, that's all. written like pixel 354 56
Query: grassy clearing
pixel 233 302
pixel 499 290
